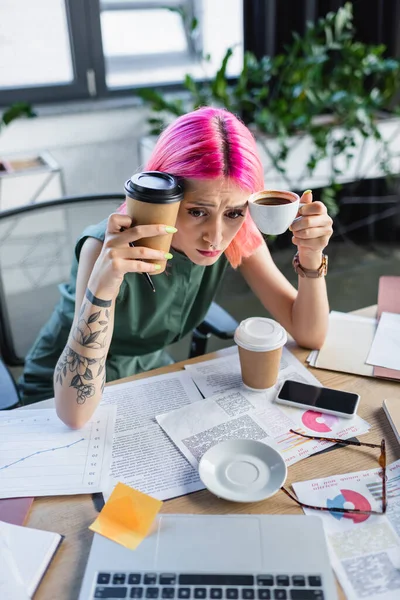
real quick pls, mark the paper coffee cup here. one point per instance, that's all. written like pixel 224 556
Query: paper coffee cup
pixel 260 342
pixel 153 198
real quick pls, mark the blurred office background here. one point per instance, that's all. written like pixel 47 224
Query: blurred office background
pixel 78 66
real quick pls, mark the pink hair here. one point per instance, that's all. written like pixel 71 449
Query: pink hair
pixel 211 143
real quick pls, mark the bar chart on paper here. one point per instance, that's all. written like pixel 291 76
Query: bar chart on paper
pixel 40 456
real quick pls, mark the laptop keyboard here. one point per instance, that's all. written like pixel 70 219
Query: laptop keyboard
pixel 207 586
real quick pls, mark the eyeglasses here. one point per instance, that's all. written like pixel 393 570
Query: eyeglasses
pixel 382 464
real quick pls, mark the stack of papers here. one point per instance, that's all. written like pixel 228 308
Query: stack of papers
pixel 357 345
pixel 361 345
pixel 234 412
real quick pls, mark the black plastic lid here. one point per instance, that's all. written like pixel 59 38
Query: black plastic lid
pixel 154 187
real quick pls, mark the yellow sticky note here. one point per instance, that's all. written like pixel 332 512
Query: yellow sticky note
pixel 127 516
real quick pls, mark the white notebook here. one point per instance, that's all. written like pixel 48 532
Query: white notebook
pixel 347 344
pixel 32 551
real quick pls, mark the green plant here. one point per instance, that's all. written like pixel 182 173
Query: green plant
pixel 324 72
pixel 15 111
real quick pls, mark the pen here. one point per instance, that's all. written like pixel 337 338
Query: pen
pixel 147 276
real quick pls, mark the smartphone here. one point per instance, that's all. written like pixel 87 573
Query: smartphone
pixel 321 399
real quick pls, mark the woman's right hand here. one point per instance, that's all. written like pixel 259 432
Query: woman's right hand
pixel 117 257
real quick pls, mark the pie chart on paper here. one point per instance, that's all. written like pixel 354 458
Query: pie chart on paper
pixel 319 422
pixel 353 498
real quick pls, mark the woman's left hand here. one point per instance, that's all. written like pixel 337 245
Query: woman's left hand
pixel 311 231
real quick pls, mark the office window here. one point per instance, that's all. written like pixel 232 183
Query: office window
pixel 34 43
pixel 146 42
pixel 52 50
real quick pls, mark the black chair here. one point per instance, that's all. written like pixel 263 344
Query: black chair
pixel 216 322
pixel 36 245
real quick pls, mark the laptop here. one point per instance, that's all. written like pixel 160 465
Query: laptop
pixel 204 557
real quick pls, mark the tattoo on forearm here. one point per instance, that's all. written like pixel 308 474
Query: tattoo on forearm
pixel 90 332
pixel 97 301
pixel 83 371
pixel 90 328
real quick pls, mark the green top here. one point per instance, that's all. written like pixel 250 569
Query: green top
pixel 145 322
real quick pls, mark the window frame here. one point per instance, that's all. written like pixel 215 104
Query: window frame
pixel 98 60
pixel 88 64
pixel 76 13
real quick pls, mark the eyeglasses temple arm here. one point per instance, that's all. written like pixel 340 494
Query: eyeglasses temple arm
pixel 346 442
pixel 341 510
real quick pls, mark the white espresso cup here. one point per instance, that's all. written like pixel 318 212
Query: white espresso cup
pixel 273 211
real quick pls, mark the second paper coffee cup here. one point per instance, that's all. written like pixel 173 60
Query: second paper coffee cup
pixel 260 342
pixel 153 198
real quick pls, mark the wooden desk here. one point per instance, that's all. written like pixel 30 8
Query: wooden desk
pixel 72 515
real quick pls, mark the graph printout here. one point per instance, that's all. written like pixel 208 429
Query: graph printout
pixel 40 456
pixel 364 548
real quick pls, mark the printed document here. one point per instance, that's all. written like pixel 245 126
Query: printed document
pixel 224 373
pixel 240 413
pixel 364 549
pixel 40 456
pixel 143 456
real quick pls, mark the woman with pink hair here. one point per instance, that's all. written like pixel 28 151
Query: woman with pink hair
pixel 107 324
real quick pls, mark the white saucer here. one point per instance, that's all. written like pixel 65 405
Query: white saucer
pixel 242 470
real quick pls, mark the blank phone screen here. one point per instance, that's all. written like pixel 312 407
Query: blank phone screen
pixel 318 397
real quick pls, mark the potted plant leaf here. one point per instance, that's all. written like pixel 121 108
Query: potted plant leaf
pixel 15 111
pixel 323 112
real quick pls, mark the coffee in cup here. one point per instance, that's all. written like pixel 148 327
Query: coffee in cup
pixel 152 198
pixel 273 211
pixel 260 342
pixel 273 201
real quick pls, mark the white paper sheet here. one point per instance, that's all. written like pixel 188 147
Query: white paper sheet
pixel 312 358
pixel 32 551
pixel 143 456
pixel 240 413
pixel 385 349
pixel 216 375
pixel 40 456
pixel 219 374
pixel 11 584
pixel 364 550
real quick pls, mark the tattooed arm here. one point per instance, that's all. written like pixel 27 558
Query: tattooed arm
pixel 79 376
pixel 81 367
pixel 80 373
